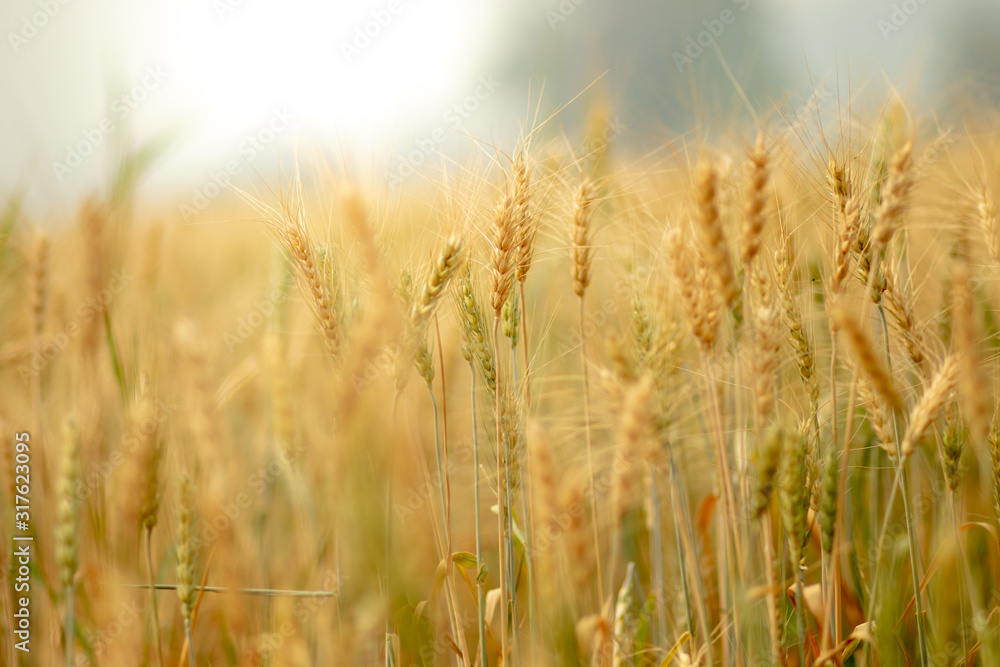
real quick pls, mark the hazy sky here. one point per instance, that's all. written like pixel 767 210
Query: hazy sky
pixel 233 84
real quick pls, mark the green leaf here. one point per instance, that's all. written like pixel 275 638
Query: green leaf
pixel 465 559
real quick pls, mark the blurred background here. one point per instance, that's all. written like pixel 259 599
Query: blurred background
pixel 209 92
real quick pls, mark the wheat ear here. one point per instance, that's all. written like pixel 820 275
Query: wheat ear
pixel 295 234
pixel 67 536
pixel 444 268
pixel 863 348
pixel 186 558
pixel 754 215
pixel 805 357
pixel 795 500
pixel 973 387
pixel 151 454
pixel 894 194
pixel 933 399
pixel 580 249
pixel 897 302
pixel 503 253
pixel 710 225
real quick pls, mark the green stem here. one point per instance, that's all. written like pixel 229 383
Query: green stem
pixel 656 549
pixel 501 509
pixel 190 644
pixel 915 561
pixel 152 598
pixel 480 586
pixel 70 627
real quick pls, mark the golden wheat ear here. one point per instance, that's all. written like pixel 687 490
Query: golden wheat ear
pixel 502 254
pixel 894 196
pixel 927 408
pixel 755 213
pixel 863 348
pixel 444 268
pixel 580 249
pixel 785 281
pixel 709 224
pixel 527 224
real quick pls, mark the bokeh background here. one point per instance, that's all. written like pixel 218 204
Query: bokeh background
pixel 231 90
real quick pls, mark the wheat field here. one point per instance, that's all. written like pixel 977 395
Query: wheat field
pixel 730 402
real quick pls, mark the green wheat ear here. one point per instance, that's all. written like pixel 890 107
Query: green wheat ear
pixel 767 464
pixel 828 500
pixel 186 557
pixel 67 536
pixel 794 494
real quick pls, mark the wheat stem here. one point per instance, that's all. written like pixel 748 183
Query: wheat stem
pixel 656 551
pixel 733 546
pixel 590 452
pixel 501 509
pixel 480 583
pixel 155 614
